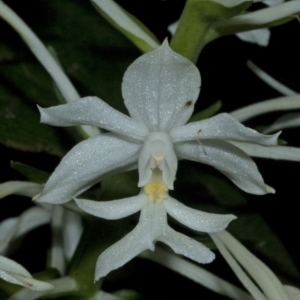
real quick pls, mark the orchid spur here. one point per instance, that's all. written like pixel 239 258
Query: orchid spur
pixel 160 90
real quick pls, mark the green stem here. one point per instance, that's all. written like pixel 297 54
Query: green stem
pixel 197 25
pixel 97 236
pixel 189 38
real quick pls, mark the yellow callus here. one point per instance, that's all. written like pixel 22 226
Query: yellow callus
pixel 157 191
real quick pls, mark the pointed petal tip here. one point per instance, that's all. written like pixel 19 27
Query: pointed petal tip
pixel 42 113
pixel 229 219
pixel 277 134
pixel 165 47
pixel 36 197
pixel 270 190
pixel 165 42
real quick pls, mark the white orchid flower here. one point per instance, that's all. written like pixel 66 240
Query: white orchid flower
pixel 160 90
pixel 154 203
pixel 66 225
pixel 13 272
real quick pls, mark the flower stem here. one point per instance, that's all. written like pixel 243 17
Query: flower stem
pixel 190 36
pixel 97 236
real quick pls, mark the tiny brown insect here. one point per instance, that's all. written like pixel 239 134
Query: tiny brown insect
pixel 198 133
pixel 188 103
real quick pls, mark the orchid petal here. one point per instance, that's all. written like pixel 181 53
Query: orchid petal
pixel 153 221
pixel 112 210
pixel 173 27
pixel 256 109
pixel 6 226
pixel 184 245
pixel 72 231
pixel 22 188
pixel 270 80
pixel 160 89
pixel 57 257
pixel 195 219
pixel 27 221
pixel 223 127
pixel 93 111
pixel 138 240
pixel 260 37
pixel 84 165
pixel 32 218
pixel 123 251
pixel 7 230
pixel 13 272
pixel 228 159
pixel 279 152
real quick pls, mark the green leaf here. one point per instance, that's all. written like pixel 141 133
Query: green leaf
pixel 126 23
pixel 207 112
pixel 20 127
pixel 29 81
pixel 120 186
pixel 31 173
pixel 89 56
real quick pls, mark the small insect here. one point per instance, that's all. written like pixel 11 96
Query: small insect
pixel 297 17
pixel 198 133
pixel 189 103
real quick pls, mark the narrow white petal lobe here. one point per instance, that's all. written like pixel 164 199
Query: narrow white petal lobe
pixel 93 111
pixel 196 219
pixel 115 209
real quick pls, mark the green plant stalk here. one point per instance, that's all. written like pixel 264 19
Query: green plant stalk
pixel 96 237
pixel 190 36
